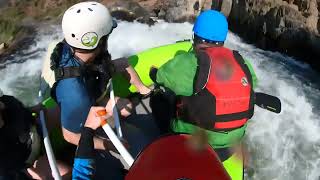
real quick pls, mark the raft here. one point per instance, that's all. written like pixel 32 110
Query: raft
pixel 142 62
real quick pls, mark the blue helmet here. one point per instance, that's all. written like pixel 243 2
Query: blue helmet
pixel 212 26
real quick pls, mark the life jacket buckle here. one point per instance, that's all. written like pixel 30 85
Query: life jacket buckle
pixel 59 73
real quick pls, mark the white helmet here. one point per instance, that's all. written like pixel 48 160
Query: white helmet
pixel 84 24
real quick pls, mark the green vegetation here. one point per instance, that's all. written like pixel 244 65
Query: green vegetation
pixel 11 18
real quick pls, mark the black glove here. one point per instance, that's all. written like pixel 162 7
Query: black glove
pixel 153 74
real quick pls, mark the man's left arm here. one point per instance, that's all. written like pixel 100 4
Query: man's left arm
pixel 253 73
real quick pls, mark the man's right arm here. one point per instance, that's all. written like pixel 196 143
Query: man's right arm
pixel 74 138
pixel 74 105
pixel 84 164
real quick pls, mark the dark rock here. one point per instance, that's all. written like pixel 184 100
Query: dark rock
pixel 3 46
pixel 178 10
pixel 127 10
pixel 3 3
pixel 287 26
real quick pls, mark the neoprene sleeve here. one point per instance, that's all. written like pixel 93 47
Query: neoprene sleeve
pixel 84 164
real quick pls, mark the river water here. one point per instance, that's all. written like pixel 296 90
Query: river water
pixel 281 147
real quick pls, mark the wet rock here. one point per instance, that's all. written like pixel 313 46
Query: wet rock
pixel 3 46
pixel 224 6
pixel 178 10
pixel 289 26
pixel 126 10
pixel 3 3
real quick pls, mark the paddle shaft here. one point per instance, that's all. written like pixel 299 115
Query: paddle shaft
pixel 115 111
pixel 47 144
pixel 114 139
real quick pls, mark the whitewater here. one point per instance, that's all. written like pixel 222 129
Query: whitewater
pixel 281 147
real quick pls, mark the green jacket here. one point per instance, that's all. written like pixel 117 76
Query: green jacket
pixel 178 74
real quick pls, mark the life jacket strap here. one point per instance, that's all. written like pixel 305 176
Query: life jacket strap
pixel 234 116
pixel 67 72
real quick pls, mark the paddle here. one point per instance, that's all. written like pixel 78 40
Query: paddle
pixel 46 140
pixel 115 111
pixel 114 139
pixel 268 102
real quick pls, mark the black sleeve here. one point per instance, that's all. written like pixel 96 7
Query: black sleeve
pixel 120 66
pixel 86 145
pixel 203 71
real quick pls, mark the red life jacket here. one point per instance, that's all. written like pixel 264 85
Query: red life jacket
pixel 234 94
pixel 226 101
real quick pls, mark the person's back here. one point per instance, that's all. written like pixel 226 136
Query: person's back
pixel 218 87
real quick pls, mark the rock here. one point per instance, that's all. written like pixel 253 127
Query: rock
pixel 3 47
pixel 224 6
pixel 50 4
pixel 3 3
pixel 206 4
pixel 178 10
pixel 127 10
pixel 290 26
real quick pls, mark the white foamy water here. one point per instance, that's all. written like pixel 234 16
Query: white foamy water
pixel 285 146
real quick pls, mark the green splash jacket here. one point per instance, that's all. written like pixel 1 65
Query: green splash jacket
pixel 178 74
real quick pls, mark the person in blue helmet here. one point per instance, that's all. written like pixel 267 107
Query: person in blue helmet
pixel 212 85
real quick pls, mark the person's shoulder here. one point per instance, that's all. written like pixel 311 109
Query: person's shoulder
pixel 74 82
pixel 71 88
pixel 182 56
pixel 184 53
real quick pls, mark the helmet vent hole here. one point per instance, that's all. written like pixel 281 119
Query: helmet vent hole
pixel 94 4
pixel 78 11
pixel 90 9
pixel 73 35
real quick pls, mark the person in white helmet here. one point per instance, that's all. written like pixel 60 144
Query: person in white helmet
pixel 83 67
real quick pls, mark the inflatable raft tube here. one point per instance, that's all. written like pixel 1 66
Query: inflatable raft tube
pixel 142 62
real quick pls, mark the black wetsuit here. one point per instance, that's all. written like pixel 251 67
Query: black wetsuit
pixel 15 139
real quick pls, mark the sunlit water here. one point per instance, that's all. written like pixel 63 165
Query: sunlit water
pixel 285 146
